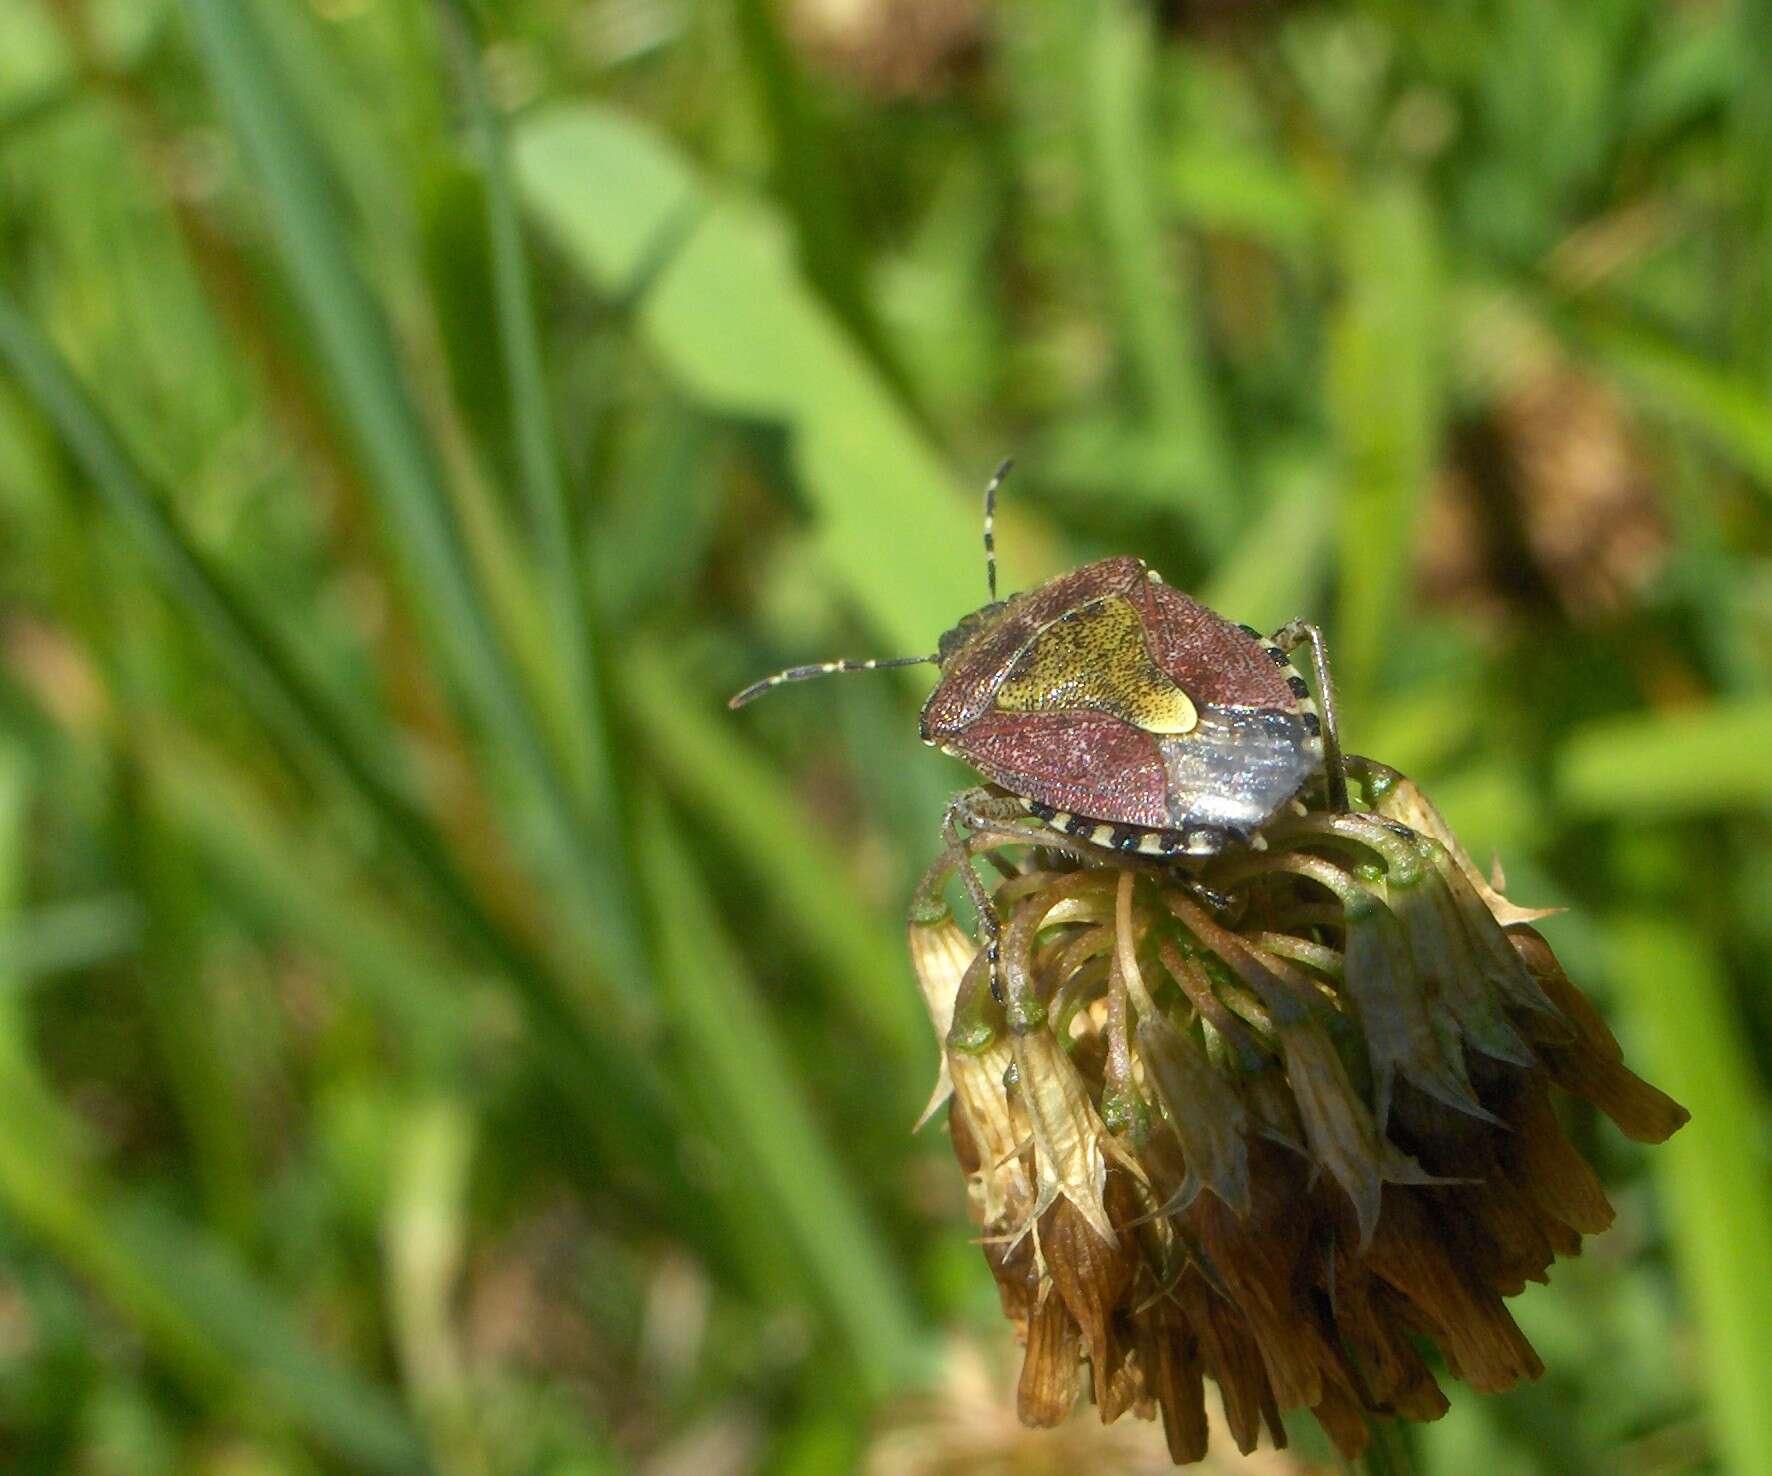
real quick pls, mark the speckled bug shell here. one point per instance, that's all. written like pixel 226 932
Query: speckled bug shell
pixel 1104 698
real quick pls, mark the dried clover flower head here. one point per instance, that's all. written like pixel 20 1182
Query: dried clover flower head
pixel 1267 1122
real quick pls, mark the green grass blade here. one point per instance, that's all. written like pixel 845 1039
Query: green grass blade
pixel 289 704
pixel 592 755
pixel 178 992
pixel 1725 407
pixel 618 1100
pixel 1274 572
pixel 1718 1202
pixel 1386 395
pixel 65 936
pixel 551 524
pixel 356 346
pixel 1156 315
pixel 424 1232
pixel 226 1338
pixel 703 759
pixel 749 1080
pixel 1705 760
pixel 308 891
pixel 250 1334
pixel 805 175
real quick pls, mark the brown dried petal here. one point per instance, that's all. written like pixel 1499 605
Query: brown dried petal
pixel 1049 1372
pixel 1341 1133
pixel 1177 1384
pixel 1499 961
pixel 1003 1194
pixel 1232 1359
pixel 1258 1262
pixel 1396 1376
pixel 1338 1412
pixel 1549 1170
pixel 1497 1231
pixel 1482 1343
pixel 1067 1130
pixel 1393 1004
pixel 940 954
pixel 1591 1065
pixel 1205 1113
pixel 1092 1278
pixel 1443 957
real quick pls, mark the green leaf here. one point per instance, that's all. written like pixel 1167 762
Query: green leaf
pixel 1709 759
pixel 722 304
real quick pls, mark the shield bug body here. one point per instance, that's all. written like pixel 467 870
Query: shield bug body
pixel 1121 713
pixel 1125 714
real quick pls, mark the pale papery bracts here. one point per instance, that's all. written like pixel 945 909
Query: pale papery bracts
pixel 1267 1122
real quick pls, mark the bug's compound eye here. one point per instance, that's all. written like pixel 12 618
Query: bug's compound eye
pixel 969 626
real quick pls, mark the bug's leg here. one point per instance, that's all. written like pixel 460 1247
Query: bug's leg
pixel 978 809
pixel 1219 904
pixel 1289 637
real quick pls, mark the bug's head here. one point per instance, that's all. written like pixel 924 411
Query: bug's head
pixel 969 626
pixel 951 642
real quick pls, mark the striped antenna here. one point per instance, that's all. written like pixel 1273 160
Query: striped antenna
pixel 990 521
pixel 822 669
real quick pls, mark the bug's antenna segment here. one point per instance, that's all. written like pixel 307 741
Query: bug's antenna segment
pixel 990 519
pixel 822 669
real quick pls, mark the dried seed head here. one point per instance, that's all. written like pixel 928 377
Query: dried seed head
pixel 1266 1121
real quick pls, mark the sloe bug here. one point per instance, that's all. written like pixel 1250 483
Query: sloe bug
pixel 1119 712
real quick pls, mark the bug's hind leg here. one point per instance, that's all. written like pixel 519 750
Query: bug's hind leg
pixel 1289 637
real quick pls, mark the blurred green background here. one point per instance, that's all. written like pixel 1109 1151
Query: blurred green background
pixel 435 1035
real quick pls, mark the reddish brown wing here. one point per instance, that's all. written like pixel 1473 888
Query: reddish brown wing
pixel 1086 762
pixel 1210 659
pixel 968 685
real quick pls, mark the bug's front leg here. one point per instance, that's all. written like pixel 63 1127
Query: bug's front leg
pixel 1289 637
pixel 979 809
